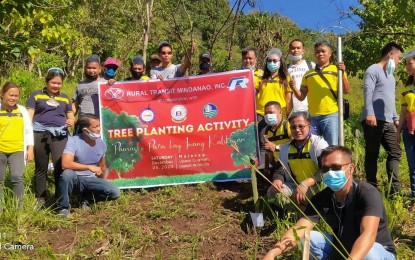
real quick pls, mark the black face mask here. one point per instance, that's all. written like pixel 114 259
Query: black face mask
pixel 204 66
pixel 136 74
pixel 91 77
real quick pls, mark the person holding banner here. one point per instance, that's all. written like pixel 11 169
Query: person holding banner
pixel 273 87
pixel 320 85
pixel 167 70
pixel 50 111
pixel 353 210
pixel 137 69
pixel 299 173
pixel 85 98
pixel 84 162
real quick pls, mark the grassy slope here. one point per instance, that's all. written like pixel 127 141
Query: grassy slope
pixel 202 221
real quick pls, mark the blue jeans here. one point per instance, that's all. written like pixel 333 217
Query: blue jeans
pixel 409 142
pixel 94 189
pixel 327 126
pixel 321 248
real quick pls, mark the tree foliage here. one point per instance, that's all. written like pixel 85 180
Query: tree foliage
pixel 244 144
pixel 131 154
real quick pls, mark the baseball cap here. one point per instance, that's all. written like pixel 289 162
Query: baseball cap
pixel 205 56
pixel 112 61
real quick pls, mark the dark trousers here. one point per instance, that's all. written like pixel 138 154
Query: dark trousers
pixel 46 144
pixel 261 125
pixel 383 133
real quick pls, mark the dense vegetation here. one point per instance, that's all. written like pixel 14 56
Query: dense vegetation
pixel 40 34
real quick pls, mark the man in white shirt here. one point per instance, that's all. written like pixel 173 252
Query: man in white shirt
pixel 297 68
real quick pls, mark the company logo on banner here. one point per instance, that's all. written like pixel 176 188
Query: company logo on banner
pixel 114 93
pixel 238 82
pixel 184 130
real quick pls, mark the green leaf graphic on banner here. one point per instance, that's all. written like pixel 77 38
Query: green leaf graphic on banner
pixel 245 141
pixel 122 153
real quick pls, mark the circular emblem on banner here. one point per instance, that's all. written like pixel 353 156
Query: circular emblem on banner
pixel 147 115
pixel 210 110
pixel 178 113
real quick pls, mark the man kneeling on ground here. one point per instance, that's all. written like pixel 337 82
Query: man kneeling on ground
pixel 83 161
pixel 354 211
pixel 298 174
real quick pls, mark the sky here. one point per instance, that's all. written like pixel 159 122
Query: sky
pixel 318 15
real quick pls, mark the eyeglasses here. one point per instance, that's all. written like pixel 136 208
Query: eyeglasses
pixel 294 127
pixel 165 52
pixel 274 60
pixel 56 71
pixel 333 167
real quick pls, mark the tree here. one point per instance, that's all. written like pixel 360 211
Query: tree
pixel 120 160
pixel 244 144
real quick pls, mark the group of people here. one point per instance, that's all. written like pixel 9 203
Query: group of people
pixel 297 124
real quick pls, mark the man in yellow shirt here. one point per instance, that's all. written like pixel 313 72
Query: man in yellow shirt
pixel 322 98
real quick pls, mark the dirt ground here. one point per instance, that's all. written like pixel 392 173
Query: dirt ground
pixel 203 221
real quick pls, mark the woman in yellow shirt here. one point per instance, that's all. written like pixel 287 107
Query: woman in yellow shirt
pixel 407 117
pixel 16 139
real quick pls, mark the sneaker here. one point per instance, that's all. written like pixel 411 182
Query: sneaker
pixel 64 213
pixel 40 203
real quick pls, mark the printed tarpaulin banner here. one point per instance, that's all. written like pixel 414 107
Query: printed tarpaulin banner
pixel 185 130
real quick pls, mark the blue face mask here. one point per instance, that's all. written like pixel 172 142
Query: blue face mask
pixel 110 72
pixel 335 180
pixel 391 66
pixel 273 66
pixel 271 119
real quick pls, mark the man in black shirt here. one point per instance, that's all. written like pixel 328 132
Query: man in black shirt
pixel 354 210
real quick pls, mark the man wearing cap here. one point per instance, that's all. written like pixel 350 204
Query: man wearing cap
pixel 249 62
pixel 297 68
pixel 137 69
pixel 205 64
pixel 85 98
pixel 110 68
pixel 320 86
pixel 154 61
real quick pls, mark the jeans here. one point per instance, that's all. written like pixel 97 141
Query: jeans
pixel 320 248
pixel 93 189
pixel 327 126
pixel 383 133
pixel 409 143
pixel 46 144
pixel 15 161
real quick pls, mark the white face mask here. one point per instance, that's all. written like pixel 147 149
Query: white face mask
pixel 391 66
pixel 91 135
pixel 295 58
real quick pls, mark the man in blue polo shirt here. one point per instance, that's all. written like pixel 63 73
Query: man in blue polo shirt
pixel 84 162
